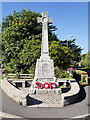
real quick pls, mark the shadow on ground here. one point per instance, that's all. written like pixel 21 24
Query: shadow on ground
pixel 32 101
pixel 82 94
pixel 64 90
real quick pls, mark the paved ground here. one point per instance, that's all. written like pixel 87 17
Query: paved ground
pixel 6 115
pixel 81 108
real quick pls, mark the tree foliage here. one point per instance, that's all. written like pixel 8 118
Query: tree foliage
pixel 21 40
pixel 74 50
pixel 85 61
pixel 21 43
pixel 60 54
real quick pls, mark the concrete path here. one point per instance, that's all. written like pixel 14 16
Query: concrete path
pixel 81 108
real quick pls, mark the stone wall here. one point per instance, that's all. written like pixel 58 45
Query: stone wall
pixel 13 92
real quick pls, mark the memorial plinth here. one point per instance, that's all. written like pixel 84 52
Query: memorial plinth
pixel 44 72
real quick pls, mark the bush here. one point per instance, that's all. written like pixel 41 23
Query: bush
pixel 74 64
pixel 60 73
pixel 85 61
pixel 77 76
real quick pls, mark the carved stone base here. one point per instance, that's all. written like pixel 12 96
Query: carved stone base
pixel 56 91
pixel 44 72
pixel 44 68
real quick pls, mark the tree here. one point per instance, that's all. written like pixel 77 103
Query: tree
pixel 21 40
pixel 74 50
pixel 21 43
pixel 85 61
pixel 59 54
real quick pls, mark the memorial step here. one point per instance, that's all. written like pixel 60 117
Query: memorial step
pixel 44 98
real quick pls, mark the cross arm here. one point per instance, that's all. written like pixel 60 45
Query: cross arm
pixel 39 19
pixel 50 20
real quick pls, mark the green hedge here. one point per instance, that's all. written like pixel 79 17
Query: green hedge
pixel 77 75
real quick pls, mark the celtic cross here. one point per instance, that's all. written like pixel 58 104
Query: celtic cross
pixel 45 20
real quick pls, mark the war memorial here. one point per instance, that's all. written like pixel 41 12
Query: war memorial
pixel 45 87
pixel 45 90
pixel 40 79
pixel 44 79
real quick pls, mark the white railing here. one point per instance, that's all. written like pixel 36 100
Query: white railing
pixel 24 77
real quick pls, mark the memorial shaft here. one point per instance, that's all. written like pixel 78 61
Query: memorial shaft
pixel 44 49
pixel 44 20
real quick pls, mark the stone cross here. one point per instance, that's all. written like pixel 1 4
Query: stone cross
pixel 45 20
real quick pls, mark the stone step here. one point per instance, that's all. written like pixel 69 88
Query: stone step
pixel 50 99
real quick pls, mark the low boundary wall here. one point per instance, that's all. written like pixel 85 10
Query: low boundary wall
pixel 13 92
pixel 19 96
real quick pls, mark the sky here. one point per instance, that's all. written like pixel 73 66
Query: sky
pixel 70 18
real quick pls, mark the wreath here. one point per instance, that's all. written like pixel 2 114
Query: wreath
pixel 46 85
pixel 52 85
pixel 39 85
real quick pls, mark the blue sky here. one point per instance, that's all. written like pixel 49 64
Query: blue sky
pixel 70 18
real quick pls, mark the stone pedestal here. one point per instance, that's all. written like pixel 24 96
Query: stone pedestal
pixel 44 72
pixel 44 69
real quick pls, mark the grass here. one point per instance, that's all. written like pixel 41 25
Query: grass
pixel 62 86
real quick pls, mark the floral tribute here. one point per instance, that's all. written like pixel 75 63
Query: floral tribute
pixel 71 69
pixel 46 85
pixel 4 71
